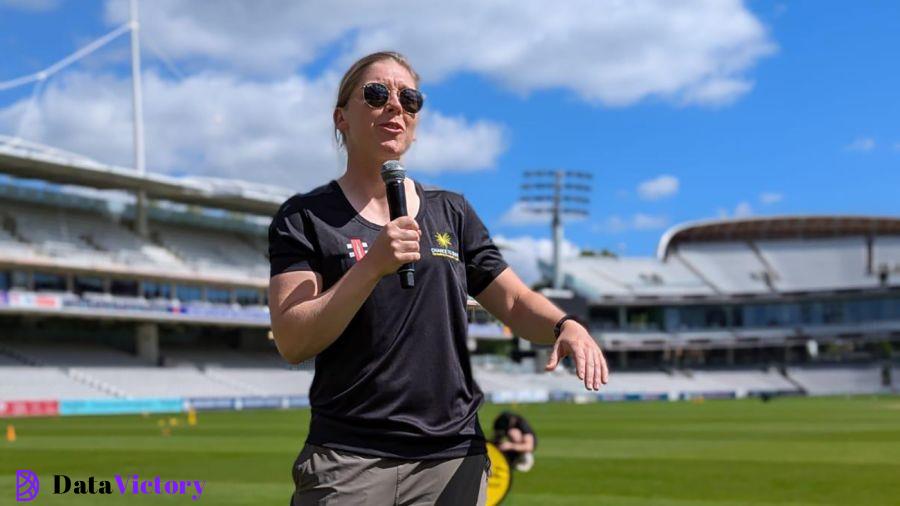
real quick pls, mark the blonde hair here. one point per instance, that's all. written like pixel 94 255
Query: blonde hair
pixel 351 79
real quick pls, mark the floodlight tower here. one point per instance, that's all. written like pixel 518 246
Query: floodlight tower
pixel 550 192
pixel 138 107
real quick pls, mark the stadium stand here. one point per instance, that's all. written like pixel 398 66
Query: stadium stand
pixel 32 382
pixel 40 370
pixel 211 251
pixel 838 263
pixel 728 307
pixel 636 277
pixel 842 380
pixel 730 268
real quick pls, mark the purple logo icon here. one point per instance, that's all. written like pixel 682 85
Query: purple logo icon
pixel 27 486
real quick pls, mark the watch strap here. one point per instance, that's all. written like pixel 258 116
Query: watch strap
pixel 557 329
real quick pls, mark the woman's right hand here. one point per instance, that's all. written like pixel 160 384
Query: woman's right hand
pixel 397 244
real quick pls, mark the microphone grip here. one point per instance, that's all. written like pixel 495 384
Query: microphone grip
pixel 407 274
pixel 396 195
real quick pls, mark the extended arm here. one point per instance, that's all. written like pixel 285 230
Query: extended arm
pixel 532 316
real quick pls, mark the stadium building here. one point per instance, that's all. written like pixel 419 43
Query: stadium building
pixel 108 305
pixel 791 289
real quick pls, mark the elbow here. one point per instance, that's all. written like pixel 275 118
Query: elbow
pixel 293 359
pixel 290 349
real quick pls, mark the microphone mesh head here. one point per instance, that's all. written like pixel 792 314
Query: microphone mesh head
pixel 392 170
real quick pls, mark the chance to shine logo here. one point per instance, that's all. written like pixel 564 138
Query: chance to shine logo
pixel 445 246
pixel 27 485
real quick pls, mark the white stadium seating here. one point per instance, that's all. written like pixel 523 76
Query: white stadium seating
pixel 42 383
pixel 41 370
pixel 636 277
pixel 81 237
pixel 213 251
pixel 843 380
pixel 886 254
pixel 820 264
pixel 90 239
pixel 730 267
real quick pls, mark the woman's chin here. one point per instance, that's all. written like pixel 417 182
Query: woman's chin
pixel 392 148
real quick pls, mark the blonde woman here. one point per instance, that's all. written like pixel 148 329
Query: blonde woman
pixel 393 402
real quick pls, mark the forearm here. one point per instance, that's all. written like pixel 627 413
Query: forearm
pixel 533 316
pixel 306 328
pixel 521 447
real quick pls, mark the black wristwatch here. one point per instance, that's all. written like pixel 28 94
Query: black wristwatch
pixel 558 327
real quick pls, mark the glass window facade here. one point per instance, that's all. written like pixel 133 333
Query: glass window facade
pixel 246 296
pixel 124 287
pixel 91 284
pixel 49 282
pixel 187 293
pixel 848 311
pixel 156 290
pixel 218 295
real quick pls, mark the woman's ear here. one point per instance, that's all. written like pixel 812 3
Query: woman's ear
pixel 339 122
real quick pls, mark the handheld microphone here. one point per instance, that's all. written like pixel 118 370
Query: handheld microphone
pixel 393 175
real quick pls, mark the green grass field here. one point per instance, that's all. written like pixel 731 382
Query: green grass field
pixel 786 452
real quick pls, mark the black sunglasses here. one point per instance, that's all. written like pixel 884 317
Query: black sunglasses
pixel 377 94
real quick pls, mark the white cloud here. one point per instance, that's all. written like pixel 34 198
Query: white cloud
pixel 642 221
pixel 718 92
pixel 522 254
pixel 519 214
pixel 609 52
pixel 616 224
pixel 659 187
pixel 276 132
pixel 741 210
pixel 31 5
pixel 768 198
pixel 452 143
pixel 863 144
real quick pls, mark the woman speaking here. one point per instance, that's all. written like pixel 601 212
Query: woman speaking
pixel 393 402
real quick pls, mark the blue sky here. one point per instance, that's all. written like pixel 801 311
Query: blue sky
pixel 809 124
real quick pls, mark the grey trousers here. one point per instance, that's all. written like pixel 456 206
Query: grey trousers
pixel 323 476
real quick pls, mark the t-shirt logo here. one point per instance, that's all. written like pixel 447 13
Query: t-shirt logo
pixel 358 248
pixel 445 246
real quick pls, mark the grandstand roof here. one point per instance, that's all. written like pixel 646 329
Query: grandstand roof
pixel 775 227
pixel 29 160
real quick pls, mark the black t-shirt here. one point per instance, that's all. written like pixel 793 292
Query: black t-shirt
pixel 398 381
pixel 509 420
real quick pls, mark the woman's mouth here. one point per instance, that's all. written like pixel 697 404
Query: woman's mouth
pixel 391 127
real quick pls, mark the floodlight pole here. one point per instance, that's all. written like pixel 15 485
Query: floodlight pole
pixel 138 108
pixel 558 192
pixel 557 229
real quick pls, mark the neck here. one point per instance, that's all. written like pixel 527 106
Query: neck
pixel 363 177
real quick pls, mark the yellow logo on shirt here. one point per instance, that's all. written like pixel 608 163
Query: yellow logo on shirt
pixel 443 240
pixel 445 249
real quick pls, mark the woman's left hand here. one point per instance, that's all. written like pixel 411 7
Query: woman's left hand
pixel 590 363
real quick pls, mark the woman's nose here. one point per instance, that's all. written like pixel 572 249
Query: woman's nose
pixel 394 101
